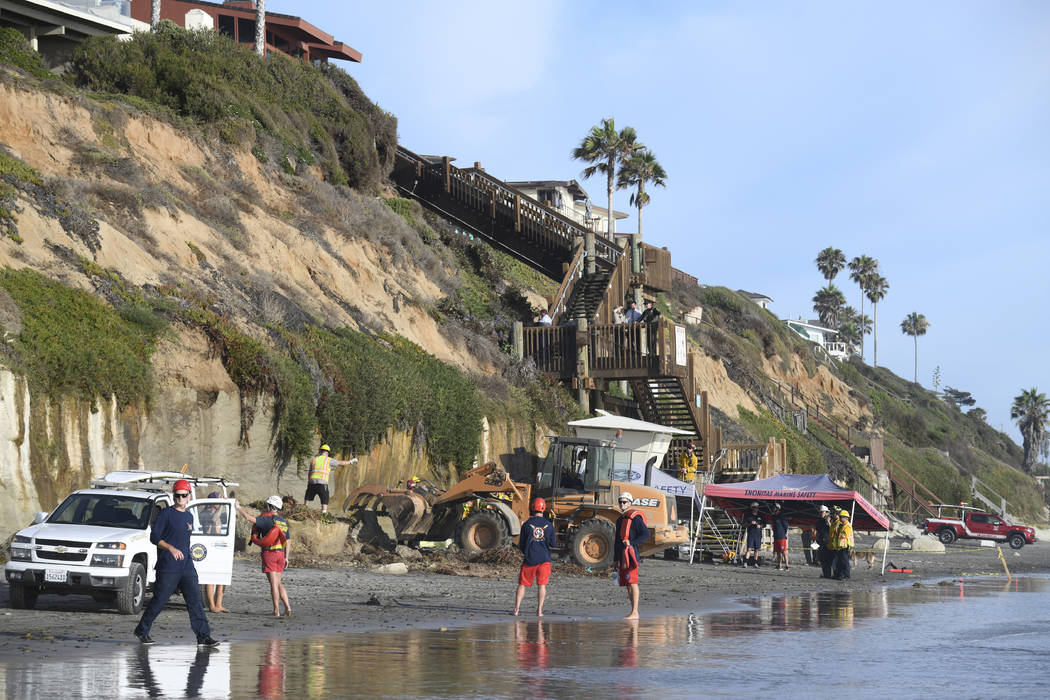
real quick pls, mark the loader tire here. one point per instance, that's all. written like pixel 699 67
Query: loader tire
pixel 592 545
pixel 481 531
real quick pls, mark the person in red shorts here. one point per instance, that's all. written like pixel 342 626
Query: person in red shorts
pixel 631 532
pixel 270 532
pixel 780 538
pixel 535 542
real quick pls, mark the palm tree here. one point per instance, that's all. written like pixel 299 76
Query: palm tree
pixel 849 334
pixel 606 148
pixel 875 287
pixel 260 27
pixel 640 168
pixel 860 268
pixel 828 303
pixel 829 262
pixel 154 14
pixel 915 324
pixel 1031 410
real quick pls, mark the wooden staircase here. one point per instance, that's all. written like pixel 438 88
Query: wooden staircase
pixel 665 400
pixel 488 207
pixel 587 296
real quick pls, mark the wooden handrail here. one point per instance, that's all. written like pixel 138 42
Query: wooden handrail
pixel 895 466
pixel 568 282
pixel 486 194
pixel 616 291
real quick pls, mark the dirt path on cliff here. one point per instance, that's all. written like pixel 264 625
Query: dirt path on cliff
pixel 349 597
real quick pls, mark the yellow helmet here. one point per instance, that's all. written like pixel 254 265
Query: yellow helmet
pixel 844 514
pixel 325 448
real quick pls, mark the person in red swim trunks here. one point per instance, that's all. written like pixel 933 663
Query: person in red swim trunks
pixel 631 532
pixel 535 542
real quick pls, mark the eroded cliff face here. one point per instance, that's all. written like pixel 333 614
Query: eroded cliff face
pixel 48 449
pixel 277 250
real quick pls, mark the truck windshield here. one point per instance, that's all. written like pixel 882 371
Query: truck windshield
pixel 599 468
pixel 103 510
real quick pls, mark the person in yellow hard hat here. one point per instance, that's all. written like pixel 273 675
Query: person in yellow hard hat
pixel 320 471
pixel 844 543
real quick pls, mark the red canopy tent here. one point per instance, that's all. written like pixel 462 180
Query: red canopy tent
pixel 800 497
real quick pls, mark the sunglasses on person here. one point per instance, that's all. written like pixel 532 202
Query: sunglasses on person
pixel 181 495
pixel 625 500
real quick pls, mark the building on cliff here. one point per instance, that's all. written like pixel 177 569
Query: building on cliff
pixel 54 27
pixel 287 34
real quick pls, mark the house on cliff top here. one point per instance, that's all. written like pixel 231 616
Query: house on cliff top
pixel 54 27
pixel 287 34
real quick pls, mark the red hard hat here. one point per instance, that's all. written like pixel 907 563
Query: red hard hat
pixel 182 485
pixel 538 505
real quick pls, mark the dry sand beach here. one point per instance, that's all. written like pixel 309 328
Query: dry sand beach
pixel 338 595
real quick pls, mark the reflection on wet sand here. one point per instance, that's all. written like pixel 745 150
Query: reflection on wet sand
pixel 525 658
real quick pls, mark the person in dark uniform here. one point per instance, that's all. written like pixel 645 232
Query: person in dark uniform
pixel 824 553
pixel 175 570
pixel 753 524
pixel 535 542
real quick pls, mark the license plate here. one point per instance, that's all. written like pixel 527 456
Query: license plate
pixel 55 575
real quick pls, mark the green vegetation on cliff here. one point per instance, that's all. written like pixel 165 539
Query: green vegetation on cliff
pixel 73 343
pixel 930 438
pixel 312 114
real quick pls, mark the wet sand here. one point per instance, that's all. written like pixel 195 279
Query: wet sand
pixel 338 597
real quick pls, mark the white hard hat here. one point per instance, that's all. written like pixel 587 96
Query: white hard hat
pixel 627 495
pixel 275 501
pixel 823 509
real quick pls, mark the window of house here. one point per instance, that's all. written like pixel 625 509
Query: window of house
pixel 551 197
pixel 226 25
pixel 246 30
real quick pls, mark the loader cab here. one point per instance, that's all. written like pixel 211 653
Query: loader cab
pixel 574 466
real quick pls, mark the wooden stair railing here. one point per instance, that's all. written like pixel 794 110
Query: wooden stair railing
pixel 489 201
pixel 568 283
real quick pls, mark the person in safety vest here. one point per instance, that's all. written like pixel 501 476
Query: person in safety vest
pixel 631 532
pixel 535 542
pixel 320 471
pixel 270 532
pixel 688 463
pixel 843 545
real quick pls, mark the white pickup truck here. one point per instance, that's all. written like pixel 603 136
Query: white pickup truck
pixel 96 541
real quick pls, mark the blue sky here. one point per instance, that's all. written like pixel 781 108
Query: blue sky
pixel 916 133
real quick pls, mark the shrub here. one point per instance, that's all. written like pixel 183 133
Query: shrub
pixel 803 456
pixel 16 51
pixel 74 344
pixel 206 77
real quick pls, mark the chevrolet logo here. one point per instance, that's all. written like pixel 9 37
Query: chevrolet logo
pixel 60 548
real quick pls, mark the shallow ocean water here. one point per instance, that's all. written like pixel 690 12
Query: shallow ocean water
pixel 981 638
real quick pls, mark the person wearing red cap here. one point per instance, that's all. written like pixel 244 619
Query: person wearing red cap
pixel 175 571
pixel 631 532
pixel 535 542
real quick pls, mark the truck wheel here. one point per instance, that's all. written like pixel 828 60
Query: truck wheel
pixel 131 596
pixel 23 597
pixel 592 545
pixel 1016 540
pixel 946 535
pixel 481 531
